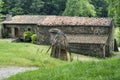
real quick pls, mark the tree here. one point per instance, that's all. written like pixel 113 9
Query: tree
pixel 1 5
pixel 114 10
pixel 46 7
pixel 17 10
pixel 54 7
pixel 59 6
pixel 36 7
pixel 79 8
pixel 12 6
pixel 100 7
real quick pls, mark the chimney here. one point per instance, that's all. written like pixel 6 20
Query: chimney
pixel 8 17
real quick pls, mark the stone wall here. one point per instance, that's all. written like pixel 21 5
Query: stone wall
pixel 96 50
pixel 90 49
pixel 21 28
pixel 43 34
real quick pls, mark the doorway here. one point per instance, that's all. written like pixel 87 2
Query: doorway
pixel 16 32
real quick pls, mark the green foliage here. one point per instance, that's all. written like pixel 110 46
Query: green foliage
pixel 5 35
pixel 17 10
pixel 34 38
pixel 117 35
pixel 79 8
pixel 102 70
pixel 54 7
pixel 34 7
pixel 1 5
pixel 114 10
pixel 100 7
pixel 27 36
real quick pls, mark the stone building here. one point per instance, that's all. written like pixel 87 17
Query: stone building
pixel 15 26
pixel 91 36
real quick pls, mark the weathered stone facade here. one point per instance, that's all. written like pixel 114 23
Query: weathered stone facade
pixel 15 30
pixel 92 36
pixel 94 49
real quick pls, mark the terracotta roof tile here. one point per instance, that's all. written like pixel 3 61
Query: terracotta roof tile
pixel 91 39
pixel 65 20
pixel 58 20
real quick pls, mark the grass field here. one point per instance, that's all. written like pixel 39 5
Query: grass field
pixel 102 70
pixel 82 68
pixel 25 54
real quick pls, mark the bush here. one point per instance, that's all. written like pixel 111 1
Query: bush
pixel 34 38
pixel 27 36
pixel 5 35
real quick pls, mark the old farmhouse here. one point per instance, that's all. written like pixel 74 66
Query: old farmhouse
pixel 92 36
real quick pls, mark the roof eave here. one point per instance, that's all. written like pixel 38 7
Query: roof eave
pixel 21 23
pixel 74 25
pixel 86 43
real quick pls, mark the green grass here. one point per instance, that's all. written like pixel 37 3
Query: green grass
pixel 82 68
pixel 25 54
pixel 101 70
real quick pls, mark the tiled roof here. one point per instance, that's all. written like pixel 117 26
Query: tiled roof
pixel 65 20
pixel 58 20
pixel 91 39
pixel 25 19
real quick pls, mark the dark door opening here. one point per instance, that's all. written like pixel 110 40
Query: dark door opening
pixel 16 32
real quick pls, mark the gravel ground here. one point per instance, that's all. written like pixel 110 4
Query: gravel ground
pixel 6 72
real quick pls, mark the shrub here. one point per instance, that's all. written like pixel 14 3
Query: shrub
pixel 27 36
pixel 5 35
pixel 34 38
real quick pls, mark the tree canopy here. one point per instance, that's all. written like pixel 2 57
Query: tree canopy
pixel 79 8
pixel 34 7
pixel 100 7
pixel 1 5
pixel 114 10
pixel 84 8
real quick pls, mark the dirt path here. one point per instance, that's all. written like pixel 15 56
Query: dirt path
pixel 6 72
